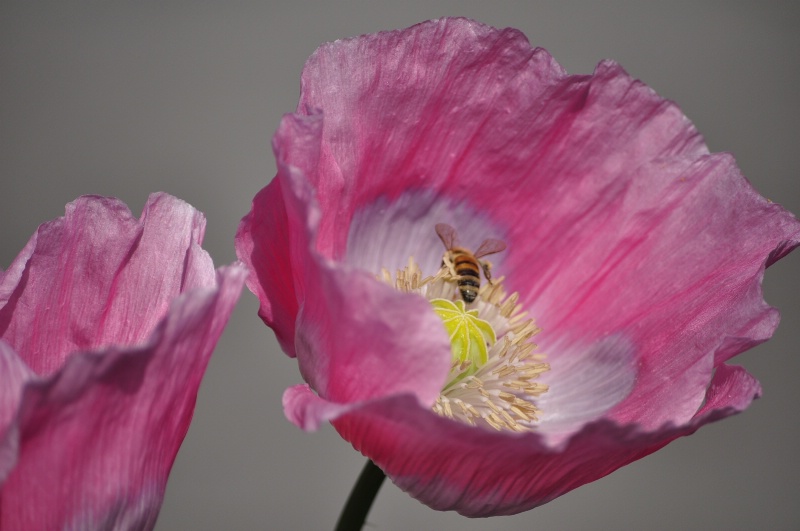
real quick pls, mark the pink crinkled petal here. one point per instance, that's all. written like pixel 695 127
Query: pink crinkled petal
pixel 616 217
pixel 401 110
pixel 262 241
pixel 89 444
pixel 348 330
pixel 353 332
pixel 101 276
pixel 273 238
pixel 307 410
pixel 451 466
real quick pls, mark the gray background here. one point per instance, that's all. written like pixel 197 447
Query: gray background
pixel 184 97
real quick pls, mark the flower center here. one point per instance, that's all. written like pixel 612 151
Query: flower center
pixel 469 334
pixel 495 363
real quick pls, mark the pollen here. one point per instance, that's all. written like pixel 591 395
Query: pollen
pixel 493 380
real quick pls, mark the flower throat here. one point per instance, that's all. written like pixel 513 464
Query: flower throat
pixel 491 382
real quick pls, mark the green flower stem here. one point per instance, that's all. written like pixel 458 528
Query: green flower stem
pixel 361 497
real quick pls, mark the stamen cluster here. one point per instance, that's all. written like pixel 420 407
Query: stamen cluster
pixel 496 388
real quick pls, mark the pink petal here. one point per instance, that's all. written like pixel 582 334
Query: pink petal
pixel 90 445
pixel 347 329
pixel 262 243
pixel 307 410
pixel 618 220
pixel 450 466
pixel 100 275
pixel 409 122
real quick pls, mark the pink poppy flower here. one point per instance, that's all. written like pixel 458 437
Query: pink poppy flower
pixel 107 324
pixel 636 256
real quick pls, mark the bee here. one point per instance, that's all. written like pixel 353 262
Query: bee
pixel 466 264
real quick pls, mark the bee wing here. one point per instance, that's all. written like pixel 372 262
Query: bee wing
pixel 490 246
pixel 447 234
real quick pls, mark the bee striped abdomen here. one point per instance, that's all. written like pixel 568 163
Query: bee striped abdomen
pixel 464 263
pixel 469 273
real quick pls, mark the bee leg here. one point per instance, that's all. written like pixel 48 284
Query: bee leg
pixel 451 268
pixel 487 268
